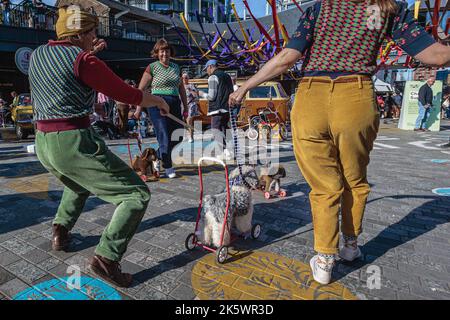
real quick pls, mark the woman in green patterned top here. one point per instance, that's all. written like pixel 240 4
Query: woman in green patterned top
pixel 163 78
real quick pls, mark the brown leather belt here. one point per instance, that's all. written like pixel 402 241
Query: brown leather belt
pixel 337 80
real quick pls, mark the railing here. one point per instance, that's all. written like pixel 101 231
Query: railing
pixel 44 17
pixel 28 15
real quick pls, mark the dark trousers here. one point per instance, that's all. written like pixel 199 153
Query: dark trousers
pixel 105 128
pixel 220 122
pixel 122 110
pixel 164 127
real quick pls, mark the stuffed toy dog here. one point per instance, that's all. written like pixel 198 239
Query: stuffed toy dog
pixel 240 213
pixel 144 164
pixel 270 178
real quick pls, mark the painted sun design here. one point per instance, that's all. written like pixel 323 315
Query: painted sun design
pixel 261 276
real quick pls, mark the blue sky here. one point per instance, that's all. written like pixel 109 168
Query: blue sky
pixel 258 9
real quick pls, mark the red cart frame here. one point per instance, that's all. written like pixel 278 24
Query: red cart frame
pixel 192 240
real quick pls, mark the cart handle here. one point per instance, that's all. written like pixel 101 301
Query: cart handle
pixel 211 159
pixel 214 160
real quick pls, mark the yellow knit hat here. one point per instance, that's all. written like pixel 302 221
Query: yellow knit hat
pixel 72 21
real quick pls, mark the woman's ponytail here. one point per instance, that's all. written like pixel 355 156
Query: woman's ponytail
pixel 388 7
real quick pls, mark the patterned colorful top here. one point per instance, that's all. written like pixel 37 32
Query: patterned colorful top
pixel 191 94
pixel 166 80
pixel 55 89
pixel 63 79
pixel 343 37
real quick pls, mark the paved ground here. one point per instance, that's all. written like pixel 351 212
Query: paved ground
pixel 406 234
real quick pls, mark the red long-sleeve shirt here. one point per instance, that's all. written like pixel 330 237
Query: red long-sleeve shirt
pixel 95 74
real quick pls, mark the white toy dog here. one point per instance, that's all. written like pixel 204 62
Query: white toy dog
pixel 240 213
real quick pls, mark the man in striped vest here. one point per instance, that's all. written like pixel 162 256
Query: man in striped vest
pixel 64 76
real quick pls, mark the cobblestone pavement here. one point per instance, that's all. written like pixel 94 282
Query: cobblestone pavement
pixel 406 233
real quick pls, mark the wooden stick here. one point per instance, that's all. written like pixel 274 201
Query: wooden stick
pixel 184 124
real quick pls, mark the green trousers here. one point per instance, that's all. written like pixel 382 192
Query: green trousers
pixel 83 163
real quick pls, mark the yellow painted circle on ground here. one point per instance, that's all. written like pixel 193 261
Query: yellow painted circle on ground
pixel 261 275
pixel 31 186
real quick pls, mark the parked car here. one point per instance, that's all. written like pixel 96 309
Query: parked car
pixel 22 116
pixel 268 94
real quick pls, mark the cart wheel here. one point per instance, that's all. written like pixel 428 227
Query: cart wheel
pixel 221 254
pixel 282 193
pixel 191 242
pixel 256 231
pixel 252 134
pixel 267 195
pixel 283 132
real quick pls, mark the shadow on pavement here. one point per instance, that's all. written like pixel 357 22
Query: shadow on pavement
pixel 14 155
pixel 4 149
pixel 418 222
pixel 21 169
pixel 28 209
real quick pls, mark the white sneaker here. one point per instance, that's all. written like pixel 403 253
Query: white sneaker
pixel 321 270
pixel 170 173
pixel 191 140
pixel 350 251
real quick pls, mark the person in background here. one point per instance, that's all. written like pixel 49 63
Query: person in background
pixel 3 110
pixel 398 104
pixel 163 78
pixel 335 119
pixel 445 108
pixel 425 104
pixel 381 105
pixel 64 76
pixel 132 120
pixel 220 86
pixel 389 106
pixel 39 12
pixel 6 8
pixel 103 127
pixel 143 124
pixel 15 100
pixel 192 101
pixel 123 112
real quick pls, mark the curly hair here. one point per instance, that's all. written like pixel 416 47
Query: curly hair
pixel 162 44
pixel 386 6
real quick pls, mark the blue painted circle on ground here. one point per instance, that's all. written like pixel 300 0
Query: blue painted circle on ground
pixel 442 191
pixel 440 161
pixel 133 148
pixel 61 289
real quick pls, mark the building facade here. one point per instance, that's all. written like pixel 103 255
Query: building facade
pixel 209 10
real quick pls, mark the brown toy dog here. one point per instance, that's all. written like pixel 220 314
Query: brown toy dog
pixel 143 165
pixel 270 178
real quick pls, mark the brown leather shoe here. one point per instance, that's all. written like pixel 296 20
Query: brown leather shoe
pixel 110 271
pixel 61 238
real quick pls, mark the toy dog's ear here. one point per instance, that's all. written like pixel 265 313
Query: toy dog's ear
pixel 282 172
pixel 146 154
pixel 153 155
